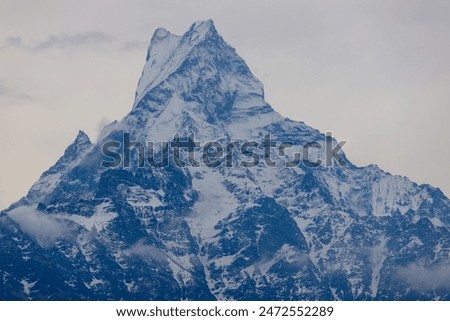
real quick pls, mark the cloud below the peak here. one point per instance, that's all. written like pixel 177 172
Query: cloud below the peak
pixel 146 252
pixel 44 228
pixel 426 278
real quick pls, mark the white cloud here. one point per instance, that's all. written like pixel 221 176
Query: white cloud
pixel 426 278
pixel 44 228
pixel 146 252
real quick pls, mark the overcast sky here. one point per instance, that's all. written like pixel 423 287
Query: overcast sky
pixel 375 73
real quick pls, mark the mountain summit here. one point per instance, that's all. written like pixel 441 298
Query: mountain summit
pixel 219 227
pixel 198 68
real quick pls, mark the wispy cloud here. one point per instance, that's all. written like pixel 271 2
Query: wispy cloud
pixel 66 41
pixel 44 228
pixel 133 46
pixel 59 41
pixel 146 252
pixel 7 93
pixel 426 278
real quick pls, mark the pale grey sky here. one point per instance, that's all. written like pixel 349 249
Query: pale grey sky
pixel 375 73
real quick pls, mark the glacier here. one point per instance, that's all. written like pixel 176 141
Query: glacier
pixel 86 232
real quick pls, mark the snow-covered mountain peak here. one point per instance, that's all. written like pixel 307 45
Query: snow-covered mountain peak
pixel 201 29
pixel 198 66
pixel 82 139
pixel 161 33
pixel 167 51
